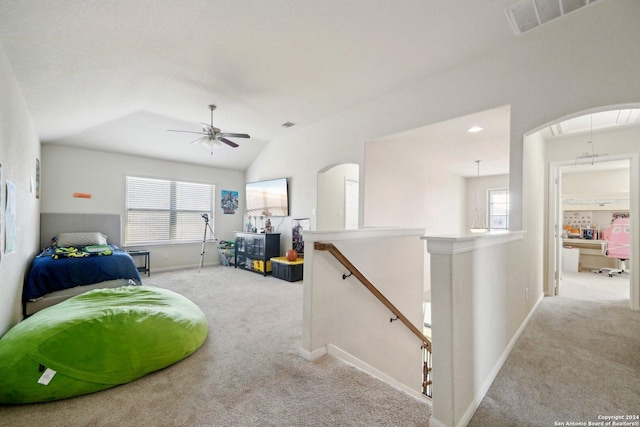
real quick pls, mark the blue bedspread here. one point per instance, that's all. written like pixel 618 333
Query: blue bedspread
pixel 48 274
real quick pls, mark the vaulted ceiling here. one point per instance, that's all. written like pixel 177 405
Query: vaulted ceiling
pixel 115 75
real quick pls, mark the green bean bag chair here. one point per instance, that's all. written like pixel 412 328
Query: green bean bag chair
pixel 97 340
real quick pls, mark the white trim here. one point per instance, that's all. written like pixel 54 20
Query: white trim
pixel 634 173
pixel 433 422
pixel 451 245
pixel 312 355
pixel 361 233
pixel 471 410
pixel 368 369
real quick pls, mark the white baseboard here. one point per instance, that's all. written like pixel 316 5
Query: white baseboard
pixel 364 367
pixel 312 355
pixel 435 423
pixel 186 267
pixel 468 414
pixel 368 369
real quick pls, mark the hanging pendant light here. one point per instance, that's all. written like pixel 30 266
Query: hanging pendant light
pixel 478 225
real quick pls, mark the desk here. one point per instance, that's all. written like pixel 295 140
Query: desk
pixel 146 267
pixel 592 254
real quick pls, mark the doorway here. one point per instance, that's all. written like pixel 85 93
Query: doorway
pixel 590 197
pixel 338 197
pixel 615 146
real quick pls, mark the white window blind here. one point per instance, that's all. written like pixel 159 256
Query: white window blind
pixel 162 211
pixel 499 209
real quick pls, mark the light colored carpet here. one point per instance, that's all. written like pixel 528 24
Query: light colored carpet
pixel 247 373
pixel 578 359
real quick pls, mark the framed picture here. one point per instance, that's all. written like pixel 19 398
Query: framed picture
pixel 37 178
pixel 10 219
pixel 588 233
pixel 229 202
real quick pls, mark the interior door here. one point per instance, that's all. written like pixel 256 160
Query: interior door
pixel 557 229
pixel 351 196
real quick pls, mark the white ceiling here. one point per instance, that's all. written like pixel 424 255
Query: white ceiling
pixel 115 75
pixel 456 149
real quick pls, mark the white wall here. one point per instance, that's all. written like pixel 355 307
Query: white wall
pixel 571 65
pixel 19 149
pixel 614 141
pixel 598 191
pixel 343 318
pixel 408 189
pixel 331 195
pixel 487 183
pixel 67 170
pixel 596 183
pixel 484 289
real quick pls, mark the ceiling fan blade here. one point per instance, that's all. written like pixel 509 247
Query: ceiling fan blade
pixel 202 138
pixel 185 131
pixel 235 135
pixel 226 141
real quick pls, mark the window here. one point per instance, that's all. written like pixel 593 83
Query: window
pixel 161 211
pixel 499 209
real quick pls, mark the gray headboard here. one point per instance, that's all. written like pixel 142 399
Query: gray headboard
pixel 53 223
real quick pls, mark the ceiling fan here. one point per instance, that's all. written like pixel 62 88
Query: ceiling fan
pixel 211 136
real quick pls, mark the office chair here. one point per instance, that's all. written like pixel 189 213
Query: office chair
pixel 617 244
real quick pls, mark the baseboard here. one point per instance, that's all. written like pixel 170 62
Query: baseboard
pixel 435 423
pixel 312 355
pixel 496 369
pixel 370 370
pixel 185 267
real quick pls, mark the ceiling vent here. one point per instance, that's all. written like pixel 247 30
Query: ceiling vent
pixel 529 14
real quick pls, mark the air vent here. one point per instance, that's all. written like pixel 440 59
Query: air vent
pixel 288 125
pixel 529 14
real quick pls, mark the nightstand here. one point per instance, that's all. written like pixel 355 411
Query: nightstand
pixel 146 267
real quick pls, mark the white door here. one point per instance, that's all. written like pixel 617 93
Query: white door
pixel 351 196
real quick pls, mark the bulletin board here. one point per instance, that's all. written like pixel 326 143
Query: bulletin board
pixel 577 219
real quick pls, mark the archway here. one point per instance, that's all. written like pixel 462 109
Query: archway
pixel 592 148
pixel 338 197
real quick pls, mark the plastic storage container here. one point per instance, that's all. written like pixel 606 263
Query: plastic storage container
pixel 284 269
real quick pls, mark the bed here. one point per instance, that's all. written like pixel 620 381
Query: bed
pixel 85 255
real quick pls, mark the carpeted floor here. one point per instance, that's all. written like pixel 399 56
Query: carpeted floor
pixel 247 373
pixel 578 360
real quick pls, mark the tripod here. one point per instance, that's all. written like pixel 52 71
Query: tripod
pixel 204 238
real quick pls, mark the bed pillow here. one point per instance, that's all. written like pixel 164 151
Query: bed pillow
pixel 81 239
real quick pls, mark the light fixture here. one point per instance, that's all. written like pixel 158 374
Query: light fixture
pixel 474 129
pixel 478 225
pixel 212 144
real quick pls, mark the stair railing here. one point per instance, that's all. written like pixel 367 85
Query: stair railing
pixel 426 343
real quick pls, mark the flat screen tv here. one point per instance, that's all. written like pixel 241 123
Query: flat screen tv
pixel 268 198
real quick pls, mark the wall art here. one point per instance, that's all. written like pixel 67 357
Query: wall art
pixel 229 202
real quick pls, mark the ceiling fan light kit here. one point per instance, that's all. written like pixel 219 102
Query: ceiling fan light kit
pixel 212 137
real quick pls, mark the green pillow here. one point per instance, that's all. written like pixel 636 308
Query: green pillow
pixel 97 340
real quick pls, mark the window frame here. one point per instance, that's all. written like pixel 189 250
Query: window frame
pixel 173 211
pixel 490 203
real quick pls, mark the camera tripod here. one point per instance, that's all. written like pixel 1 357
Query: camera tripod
pixel 207 226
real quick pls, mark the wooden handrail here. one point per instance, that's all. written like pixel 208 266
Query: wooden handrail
pixel 330 247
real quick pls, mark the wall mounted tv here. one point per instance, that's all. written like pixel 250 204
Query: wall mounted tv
pixel 268 198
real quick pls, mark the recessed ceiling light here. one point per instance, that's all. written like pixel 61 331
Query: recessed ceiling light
pixel 288 124
pixel 474 129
